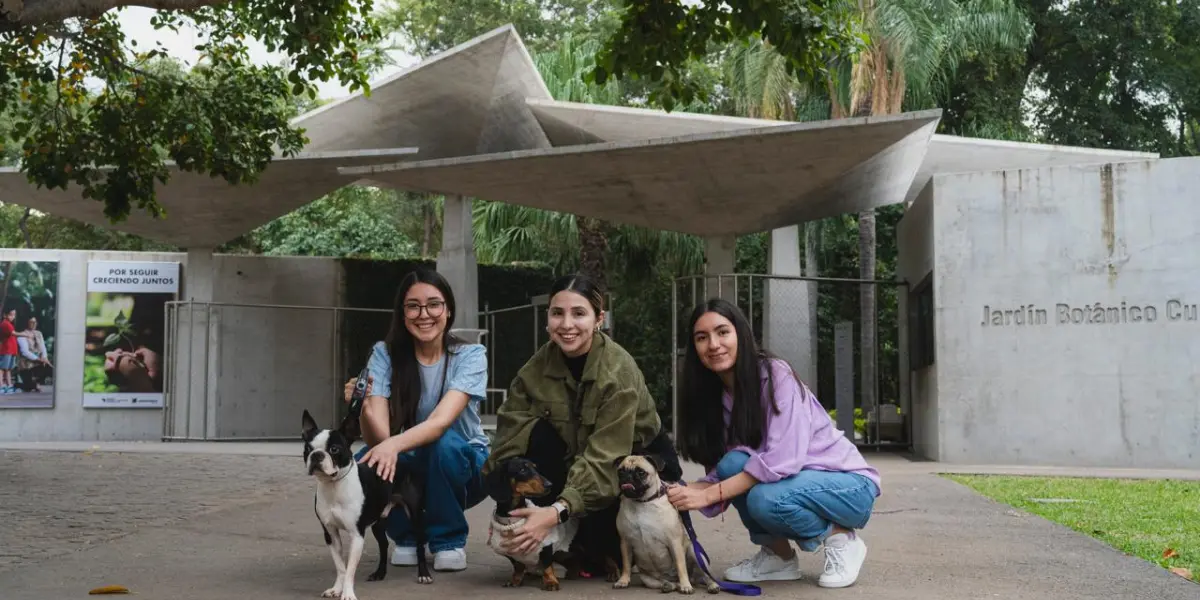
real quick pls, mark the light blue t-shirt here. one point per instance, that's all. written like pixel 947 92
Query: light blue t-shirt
pixel 468 374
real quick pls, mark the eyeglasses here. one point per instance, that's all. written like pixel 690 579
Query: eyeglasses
pixel 434 309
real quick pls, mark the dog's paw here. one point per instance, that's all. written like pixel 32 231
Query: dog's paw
pixel 377 576
pixel 348 595
pixel 667 587
pixel 424 578
pixel 550 586
pixel 621 583
pixel 686 589
pixel 713 587
pixel 333 592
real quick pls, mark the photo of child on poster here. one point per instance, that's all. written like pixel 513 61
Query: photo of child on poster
pixel 28 323
pixel 124 337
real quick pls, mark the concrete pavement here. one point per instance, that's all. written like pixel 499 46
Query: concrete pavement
pixel 203 521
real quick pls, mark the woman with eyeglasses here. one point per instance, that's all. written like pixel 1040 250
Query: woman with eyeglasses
pixel 422 407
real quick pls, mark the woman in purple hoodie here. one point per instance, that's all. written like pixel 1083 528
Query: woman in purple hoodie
pixel 772 451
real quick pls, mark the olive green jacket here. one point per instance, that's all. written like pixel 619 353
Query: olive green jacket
pixel 603 418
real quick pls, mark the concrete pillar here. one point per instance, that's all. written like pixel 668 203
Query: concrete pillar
pixel 787 329
pixel 456 260
pixel 720 258
pixel 193 347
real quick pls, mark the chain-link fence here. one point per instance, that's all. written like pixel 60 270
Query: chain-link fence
pixel 816 324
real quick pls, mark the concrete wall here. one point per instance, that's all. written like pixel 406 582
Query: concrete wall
pixel 68 420
pixel 264 367
pixel 274 363
pixel 915 236
pixel 1066 309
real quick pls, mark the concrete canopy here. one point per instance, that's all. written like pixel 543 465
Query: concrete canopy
pixel 717 183
pixel 570 123
pixel 487 127
pixel 203 211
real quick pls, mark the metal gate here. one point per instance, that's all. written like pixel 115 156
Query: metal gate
pixel 244 372
pixel 814 323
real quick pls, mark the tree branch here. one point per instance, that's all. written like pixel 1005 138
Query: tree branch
pixel 15 14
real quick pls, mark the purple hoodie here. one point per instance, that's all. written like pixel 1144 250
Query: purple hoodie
pixel 801 436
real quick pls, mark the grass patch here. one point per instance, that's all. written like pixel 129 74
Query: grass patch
pixel 1158 521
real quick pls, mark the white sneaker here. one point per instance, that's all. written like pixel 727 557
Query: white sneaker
pixel 844 556
pixel 404 556
pixel 765 566
pixel 450 560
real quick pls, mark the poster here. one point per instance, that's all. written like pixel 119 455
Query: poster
pixel 28 327
pixel 123 341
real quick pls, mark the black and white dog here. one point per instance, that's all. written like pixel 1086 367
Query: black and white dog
pixel 351 497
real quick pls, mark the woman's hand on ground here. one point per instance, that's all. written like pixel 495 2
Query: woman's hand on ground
pixel 382 457
pixel 691 497
pixel 529 536
pixel 348 390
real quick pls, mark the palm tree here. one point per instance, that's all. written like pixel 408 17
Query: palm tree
pixel 760 87
pixel 913 50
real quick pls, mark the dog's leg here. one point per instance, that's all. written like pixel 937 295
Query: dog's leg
pixel 680 556
pixel 655 583
pixel 334 543
pixel 546 563
pixel 379 529
pixel 518 574
pixel 355 554
pixel 413 496
pixel 611 569
pixel 626 566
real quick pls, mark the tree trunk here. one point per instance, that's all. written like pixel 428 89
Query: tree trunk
pixel 866 266
pixel 812 269
pixel 593 245
pixel 427 213
pixel 24 225
pixel 8 275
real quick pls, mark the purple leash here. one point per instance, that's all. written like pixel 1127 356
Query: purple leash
pixel 741 589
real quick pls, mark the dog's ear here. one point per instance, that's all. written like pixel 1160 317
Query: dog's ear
pixel 308 424
pixel 657 461
pixel 618 460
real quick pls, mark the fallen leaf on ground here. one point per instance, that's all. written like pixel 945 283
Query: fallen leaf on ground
pixel 1170 553
pixel 109 589
pixel 1182 572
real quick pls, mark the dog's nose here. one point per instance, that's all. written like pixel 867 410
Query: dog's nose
pixel 314 461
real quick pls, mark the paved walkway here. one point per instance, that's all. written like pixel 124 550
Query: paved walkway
pixel 226 521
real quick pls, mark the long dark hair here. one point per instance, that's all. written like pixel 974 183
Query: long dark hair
pixel 406 373
pixel 704 436
pixel 584 286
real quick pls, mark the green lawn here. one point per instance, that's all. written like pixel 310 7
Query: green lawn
pixel 1158 521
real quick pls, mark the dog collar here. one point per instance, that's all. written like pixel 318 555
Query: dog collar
pixel 346 473
pixel 662 489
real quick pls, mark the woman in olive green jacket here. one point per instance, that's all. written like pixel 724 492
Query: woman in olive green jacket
pixel 577 405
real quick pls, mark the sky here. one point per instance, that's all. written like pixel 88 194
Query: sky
pixel 135 22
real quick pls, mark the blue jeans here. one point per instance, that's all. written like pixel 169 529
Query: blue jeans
pixel 803 507
pixel 451 468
